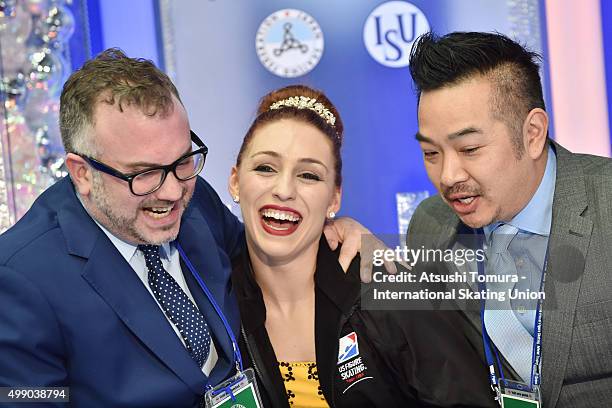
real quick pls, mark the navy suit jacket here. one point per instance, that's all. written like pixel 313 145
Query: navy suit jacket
pixel 74 313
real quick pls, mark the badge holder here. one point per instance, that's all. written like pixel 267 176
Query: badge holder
pixel 513 394
pixel 519 395
pixel 239 391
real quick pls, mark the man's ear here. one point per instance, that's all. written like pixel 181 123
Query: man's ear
pixel 233 184
pixel 80 173
pixel 535 129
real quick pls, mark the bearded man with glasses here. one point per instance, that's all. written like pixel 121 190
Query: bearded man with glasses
pixel 103 283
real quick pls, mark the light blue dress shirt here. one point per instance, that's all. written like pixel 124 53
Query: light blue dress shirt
pixel 528 248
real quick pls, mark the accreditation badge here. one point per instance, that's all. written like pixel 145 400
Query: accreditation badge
pixel 519 395
pixel 240 391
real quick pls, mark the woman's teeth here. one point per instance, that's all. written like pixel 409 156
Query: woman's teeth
pixel 280 215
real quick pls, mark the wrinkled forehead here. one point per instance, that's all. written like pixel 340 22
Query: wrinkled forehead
pixel 131 133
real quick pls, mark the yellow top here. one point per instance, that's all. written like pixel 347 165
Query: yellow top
pixel 302 384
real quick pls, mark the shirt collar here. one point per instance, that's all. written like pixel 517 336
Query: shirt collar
pixel 536 217
pixel 126 249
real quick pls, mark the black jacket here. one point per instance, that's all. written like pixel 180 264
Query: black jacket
pixel 403 358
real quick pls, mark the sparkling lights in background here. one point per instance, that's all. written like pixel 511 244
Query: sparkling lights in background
pixel 33 68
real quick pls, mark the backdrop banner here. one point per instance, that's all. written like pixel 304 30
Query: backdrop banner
pixel 225 56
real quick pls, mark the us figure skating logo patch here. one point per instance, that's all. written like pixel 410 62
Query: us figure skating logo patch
pixel 349 347
pixel 351 367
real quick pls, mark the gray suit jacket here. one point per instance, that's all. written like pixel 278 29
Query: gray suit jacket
pixel 577 316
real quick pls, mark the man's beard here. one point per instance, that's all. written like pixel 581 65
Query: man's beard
pixel 122 225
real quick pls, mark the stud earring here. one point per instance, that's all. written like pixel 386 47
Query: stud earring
pixel 236 199
pixel 332 215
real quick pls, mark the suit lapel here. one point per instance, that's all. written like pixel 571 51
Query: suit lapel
pixel 332 308
pixel 116 282
pixel 456 235
pixel 200 247
pixel 568 247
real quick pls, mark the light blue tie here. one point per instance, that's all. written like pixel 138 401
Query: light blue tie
pixel 177 306
pixel 506 331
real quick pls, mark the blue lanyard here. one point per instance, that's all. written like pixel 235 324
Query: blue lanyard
pixel 211 299
pixel 536 355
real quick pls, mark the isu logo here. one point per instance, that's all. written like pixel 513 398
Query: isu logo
pixel 390 31
pixel 289 43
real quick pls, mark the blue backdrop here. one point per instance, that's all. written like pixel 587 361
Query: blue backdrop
pixel 209 49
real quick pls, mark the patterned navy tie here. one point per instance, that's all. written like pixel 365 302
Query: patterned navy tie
pixel 177 306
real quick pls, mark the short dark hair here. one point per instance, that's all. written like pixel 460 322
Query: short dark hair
pixel 111 77
pixel 437 62
pixel 266 115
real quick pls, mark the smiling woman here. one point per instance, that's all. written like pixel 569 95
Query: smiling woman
pixel 287 184
pixel 303 332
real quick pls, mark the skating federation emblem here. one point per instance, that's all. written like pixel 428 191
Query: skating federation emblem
pixel 289 43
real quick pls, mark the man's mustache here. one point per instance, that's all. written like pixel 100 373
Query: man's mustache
pixel 461 189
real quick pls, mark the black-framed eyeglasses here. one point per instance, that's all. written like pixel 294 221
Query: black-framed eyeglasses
pixel 150 180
